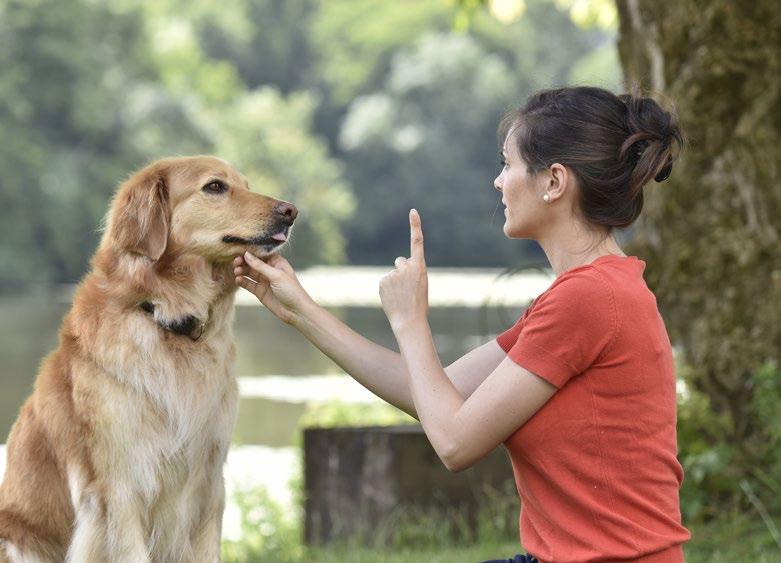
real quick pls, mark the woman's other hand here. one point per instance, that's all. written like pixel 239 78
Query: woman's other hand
pixel 274 283
pixel 404 291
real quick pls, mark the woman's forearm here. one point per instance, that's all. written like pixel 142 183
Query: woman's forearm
pixel 380 370
pixel 434 396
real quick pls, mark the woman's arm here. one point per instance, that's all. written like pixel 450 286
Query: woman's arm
pixel 377 368
pixel 461 431
pixel 380 370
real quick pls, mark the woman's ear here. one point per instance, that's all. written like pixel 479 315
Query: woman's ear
pixel 558 181
pixel 140 215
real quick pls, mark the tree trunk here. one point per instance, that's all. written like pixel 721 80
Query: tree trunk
pixel 711 235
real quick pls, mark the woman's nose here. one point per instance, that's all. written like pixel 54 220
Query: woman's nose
pixel 497 185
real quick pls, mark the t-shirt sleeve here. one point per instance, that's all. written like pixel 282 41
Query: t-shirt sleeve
pixel 566 330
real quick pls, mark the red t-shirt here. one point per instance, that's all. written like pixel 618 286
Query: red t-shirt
pixel 596 466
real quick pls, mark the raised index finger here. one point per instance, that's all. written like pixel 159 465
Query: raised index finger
pixel 415 235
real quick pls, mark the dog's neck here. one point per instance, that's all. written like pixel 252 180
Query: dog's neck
pixel 190 325
pixel 185 294
pixel 191 300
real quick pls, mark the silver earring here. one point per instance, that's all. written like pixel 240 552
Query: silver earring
pixel 546 197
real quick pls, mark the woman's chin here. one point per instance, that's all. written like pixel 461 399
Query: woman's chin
pixel 512 231
pixel 509 232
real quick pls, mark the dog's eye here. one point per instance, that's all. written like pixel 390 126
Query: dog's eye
pixel 215 187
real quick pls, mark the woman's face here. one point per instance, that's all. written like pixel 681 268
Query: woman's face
pixel 521 194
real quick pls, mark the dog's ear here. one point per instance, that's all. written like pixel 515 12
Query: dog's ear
pixel 140 215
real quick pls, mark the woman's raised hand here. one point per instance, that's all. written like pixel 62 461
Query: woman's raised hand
pixel 274 283
pixel 404 291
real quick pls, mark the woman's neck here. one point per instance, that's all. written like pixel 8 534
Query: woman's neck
pixel 576 247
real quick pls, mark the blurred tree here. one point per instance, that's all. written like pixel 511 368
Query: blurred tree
pixel 712 234
pixel 356 40
pixel 262 42
pixel 91 91
pixel 231 62
pixel 426 137
pixel 546 45
pixel 65 100
pixel 427 140
pixel 268 138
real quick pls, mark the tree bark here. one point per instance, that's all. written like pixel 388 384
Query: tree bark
pixel 711 235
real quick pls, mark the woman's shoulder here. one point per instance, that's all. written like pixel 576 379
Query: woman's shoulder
pixel 606 276
pixel 581 283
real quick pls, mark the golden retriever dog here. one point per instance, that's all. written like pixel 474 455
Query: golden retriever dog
pixel 117 456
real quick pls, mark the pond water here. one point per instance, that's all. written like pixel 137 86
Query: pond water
pixel 280 373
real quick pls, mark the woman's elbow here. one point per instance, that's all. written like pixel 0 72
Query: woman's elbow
pixel 454 459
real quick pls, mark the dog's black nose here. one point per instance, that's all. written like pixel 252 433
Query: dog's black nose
pixel 286 211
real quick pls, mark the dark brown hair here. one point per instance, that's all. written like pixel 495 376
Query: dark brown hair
pixel 614 145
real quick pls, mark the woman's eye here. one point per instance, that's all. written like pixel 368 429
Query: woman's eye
pixel 215 187
pixel 502 163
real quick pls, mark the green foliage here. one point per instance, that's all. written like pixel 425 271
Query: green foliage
pixel 331 414
pixel 585 13
pixel 268 138
pixel 424 137
pixel 272 534
pixel 239 45
pixel 356 40
pixel 403 154
pixel 68 68
pixel 591 13
pixel 714 466
pixel 93 91
pixel 733 536
pixel 268 532
pixel 598 68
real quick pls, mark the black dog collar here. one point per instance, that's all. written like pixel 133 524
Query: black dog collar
pixel 190 325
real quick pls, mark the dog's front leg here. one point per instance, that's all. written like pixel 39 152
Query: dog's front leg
pixel 127 541
pixel 108 531
pixel 207 539
pixel 88 542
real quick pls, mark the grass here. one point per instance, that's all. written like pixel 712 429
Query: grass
pixel 735 537
pixel 272 535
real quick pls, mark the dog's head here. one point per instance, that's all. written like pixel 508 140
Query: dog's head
pixel 199 205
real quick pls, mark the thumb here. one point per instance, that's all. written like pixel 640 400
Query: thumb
pixel 260 266
pixel 278 262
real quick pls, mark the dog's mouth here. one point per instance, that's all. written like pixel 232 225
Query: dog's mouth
pixel 266 242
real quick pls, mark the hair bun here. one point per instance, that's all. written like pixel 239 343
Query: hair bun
pixel 657 137
pixel 665 172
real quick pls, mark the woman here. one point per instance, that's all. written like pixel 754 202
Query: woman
pixel 581 390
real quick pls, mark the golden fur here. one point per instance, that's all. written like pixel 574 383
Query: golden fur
pixel 117 455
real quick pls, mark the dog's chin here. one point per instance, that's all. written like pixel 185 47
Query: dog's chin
pixel 259 246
